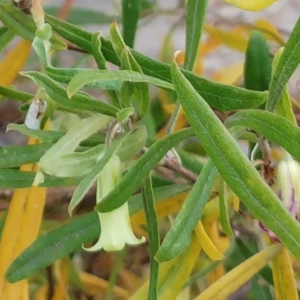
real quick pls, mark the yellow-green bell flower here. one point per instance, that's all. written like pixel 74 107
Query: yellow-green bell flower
pixel 287 188
pixel 116 230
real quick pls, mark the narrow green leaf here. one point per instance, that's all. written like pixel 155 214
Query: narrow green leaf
pixel 53 245
pixel 14 94
pixel 179 236
pixel 287 64
pixel 220 96
pixel 134 177
pixel 17 21
pixel 15 156
pixel 284 106
pixel 141 100
pixel 6 35
pixel 234 167
pixel 160 194
pixel 68 238
pixel 78 102
pixel 65 76
pixel 101 63
pixel 15 179
pixel 71 33
pixel 275 128
pixel 224 218
pixel 53 136
pixel 195 16
pixel 96 77
pixel 24 26
pixel 130 17
pixel 258 63
pixel 153 232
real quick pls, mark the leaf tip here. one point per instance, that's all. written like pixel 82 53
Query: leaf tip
pixel 176 54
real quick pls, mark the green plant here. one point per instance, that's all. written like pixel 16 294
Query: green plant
pixel 113 143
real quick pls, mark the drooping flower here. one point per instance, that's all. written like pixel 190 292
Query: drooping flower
pixel 116 230
pixel 287 188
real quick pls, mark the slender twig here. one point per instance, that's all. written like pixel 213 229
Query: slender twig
pixel 75 48
pixel 171 164
pixel 65 9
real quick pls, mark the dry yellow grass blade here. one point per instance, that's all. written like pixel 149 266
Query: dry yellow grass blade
pixel 229 74
pixel 236 203
pixel 212 229
pixel 239 275
pixel 181 121
pixel 181 271
pixel 283 276
pixel 269 31
pixel 95 285
pixel 206 243
pixel 253 5
pixel 221 243
pixel 232 38
pixel 13 62
pixel 173 274
pixel 164 208
pixel 61 272
pixel 20 229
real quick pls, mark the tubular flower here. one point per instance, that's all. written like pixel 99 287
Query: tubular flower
pixel 287 188
pixel 116 230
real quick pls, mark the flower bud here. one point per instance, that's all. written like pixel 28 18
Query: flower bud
pixel 287 188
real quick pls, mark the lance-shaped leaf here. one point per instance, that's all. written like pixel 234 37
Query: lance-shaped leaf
pixel 23 25
pixel 15 179
pixel 275 128
pixel 220 96
pixel 284 106
pixel 258 64
pixel 78 102
pixel 15 156
pixel 287 64
pixel 130 17
pixel 234 166
pixel 179 236
pixel 141 98
pixel 153 231
pixel 95 78
pixel 6 35
pixel 195 17
pixel 14 94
